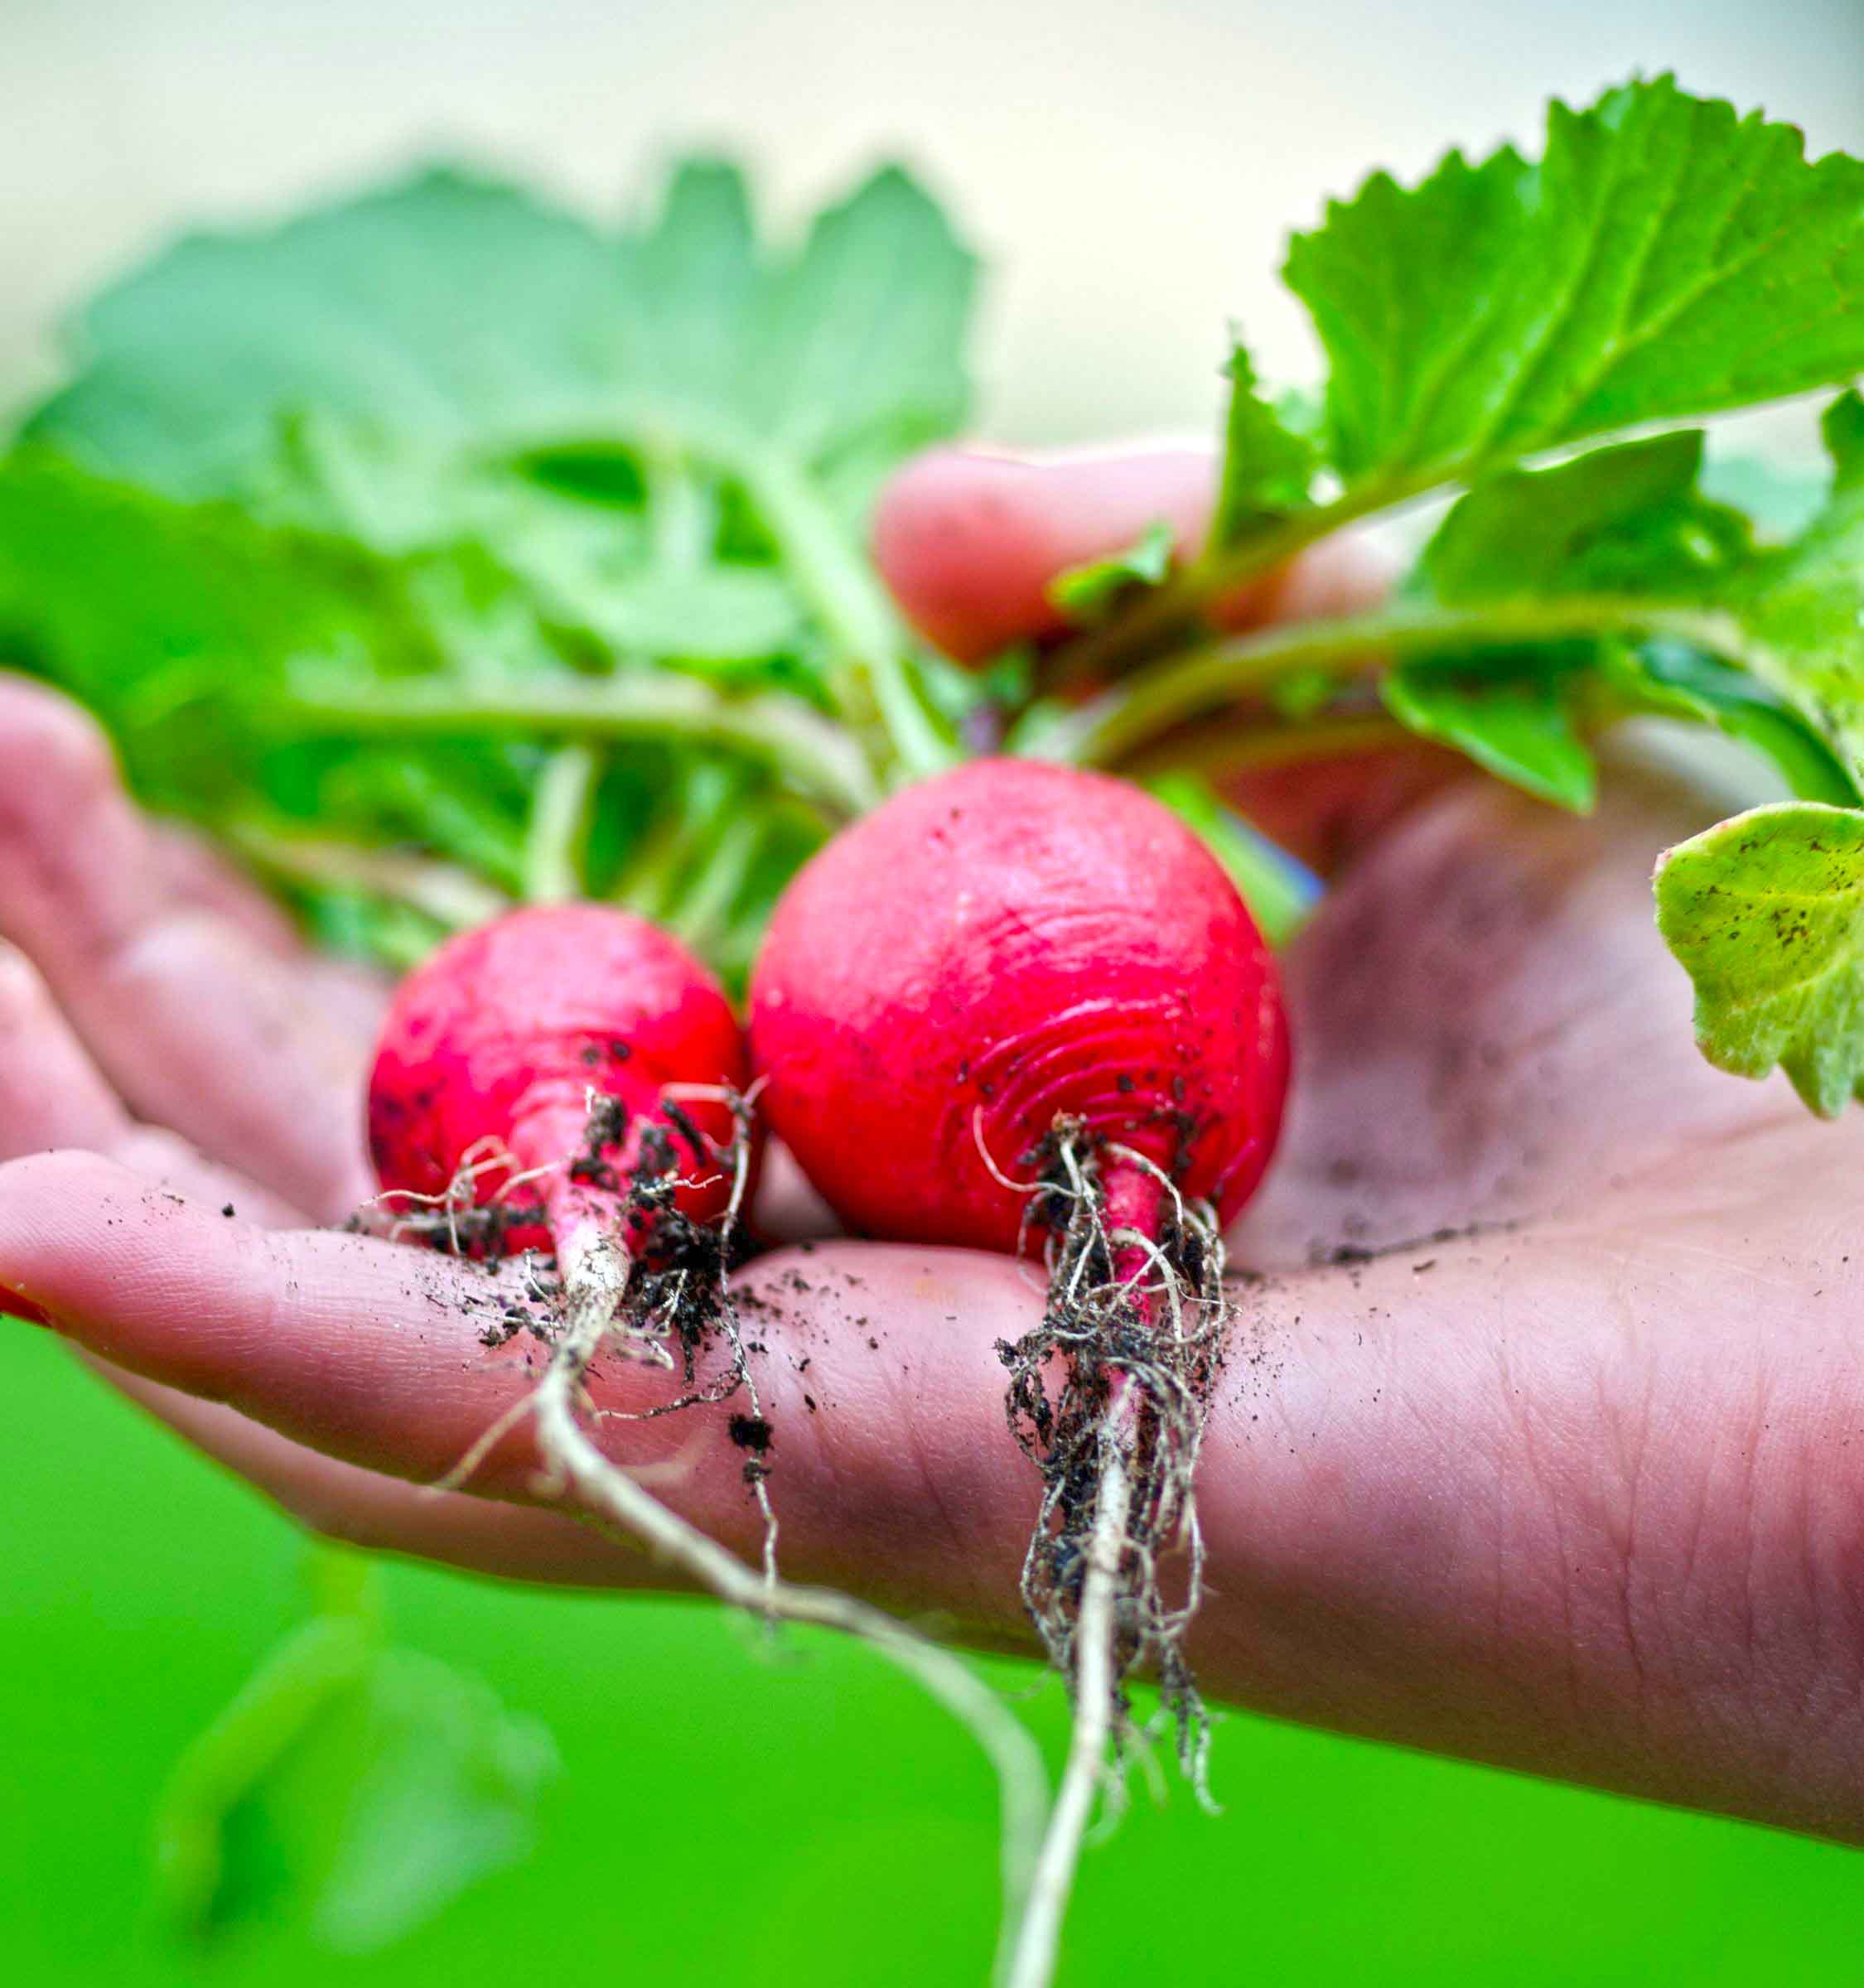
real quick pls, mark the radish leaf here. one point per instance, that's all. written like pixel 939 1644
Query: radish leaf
pixel 1513 717
pixel 1664 258
pixel 1624 519
pixel 1269 466
pixel 1087 593
pixel 1803 607
pixel 1765 911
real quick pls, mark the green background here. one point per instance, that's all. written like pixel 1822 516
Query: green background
pixel 727 1815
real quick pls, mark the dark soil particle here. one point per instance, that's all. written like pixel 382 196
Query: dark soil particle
pixel 695 1140
pixel 228 1211
pixel 750 1432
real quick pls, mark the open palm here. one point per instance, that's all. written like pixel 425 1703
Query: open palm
pixel 1536 1441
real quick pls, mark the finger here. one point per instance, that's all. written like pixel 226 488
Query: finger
pixel 375 1353
pixel 351 996
pixel 202 1026
pixel 787 1208
pixel 969 542
pixel 1546 1499
pixel 1326 811
pixel 52 1095
pixel 386 1514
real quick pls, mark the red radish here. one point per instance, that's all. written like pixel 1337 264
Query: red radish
pixel 1020 996
pixel 1005 946
pixel 494 1045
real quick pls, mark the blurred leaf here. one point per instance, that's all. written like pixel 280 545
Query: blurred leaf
pixel 1087 593
pixel 1267 465
pixel 725 614
pixel 495 440
pixel 447 320
pixel 350 1788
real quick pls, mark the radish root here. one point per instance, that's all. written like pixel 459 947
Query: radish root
pixel 1138 1320
pixel 606 1299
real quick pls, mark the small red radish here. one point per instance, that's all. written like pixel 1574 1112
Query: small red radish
pixel 496 1045
pixel 997 949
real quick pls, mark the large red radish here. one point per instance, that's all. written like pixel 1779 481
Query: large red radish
pixel 995 952
pixel 1016 1004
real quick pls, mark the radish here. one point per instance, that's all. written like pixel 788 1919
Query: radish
pixel 535 1064
pixel 569 1076
pixel 1020 1002
pixel 997 950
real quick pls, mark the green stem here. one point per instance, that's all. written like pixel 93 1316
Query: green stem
pixel 874 680
pixel 559 825
pixel 452 897
pixel 876 685
pixel 1217 753
pixel 1134 713
pixel 712 889
pixel 813 754
pixel 1167 610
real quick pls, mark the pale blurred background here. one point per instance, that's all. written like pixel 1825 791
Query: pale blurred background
pixel 1130 169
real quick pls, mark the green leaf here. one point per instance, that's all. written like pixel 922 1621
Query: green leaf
pixel 172 621
pixel 1512 717
pixel 1625 520
pixel 1089 592
pixel 1620 525
pixel 1665 258
pixel 1267 467
pixel 615 421
pixel 456 318
pixel 1668 680
pixel 1801 608
pixel 720 613
pixel 861 339
pixel 1765 912
pixel 447 308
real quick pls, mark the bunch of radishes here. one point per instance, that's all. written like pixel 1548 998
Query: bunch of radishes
pixel 1016 1007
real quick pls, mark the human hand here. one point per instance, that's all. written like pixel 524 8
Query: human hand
pixel 1558 1475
